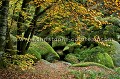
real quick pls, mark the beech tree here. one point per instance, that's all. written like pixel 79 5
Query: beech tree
pixel 3 24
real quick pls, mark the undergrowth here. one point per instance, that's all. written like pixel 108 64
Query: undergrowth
pixel 23 62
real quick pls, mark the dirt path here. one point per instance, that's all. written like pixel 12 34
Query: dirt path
pixel 46 70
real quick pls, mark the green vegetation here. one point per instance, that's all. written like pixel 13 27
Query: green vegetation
pixel 71 58
pixel 59 42
pixel 23 62
pixel 80 32
pixel 84 64
pixel 90 74
pixel 115 53
pixel 104 59
pixel 41 48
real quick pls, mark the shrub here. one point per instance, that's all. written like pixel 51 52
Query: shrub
pixel 71 58
pixel 88 54
pixel 18 61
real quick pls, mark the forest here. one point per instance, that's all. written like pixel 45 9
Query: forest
pixel 59 39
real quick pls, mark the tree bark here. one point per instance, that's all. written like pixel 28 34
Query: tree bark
pixel 19 24
pixel 3 25
pixel 30 31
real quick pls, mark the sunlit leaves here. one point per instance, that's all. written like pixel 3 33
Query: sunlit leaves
pixel 117 2
pixel 43 3
pixel 23 62
pixel 57 30
pixel 112 5
pixel 65 15
pixel 99 41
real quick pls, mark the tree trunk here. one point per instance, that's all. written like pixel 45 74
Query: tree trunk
pixel 19 24
pixel 3 25
pixel 29 32
pixel 22 46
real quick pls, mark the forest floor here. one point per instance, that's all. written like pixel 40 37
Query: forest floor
pixel 56 70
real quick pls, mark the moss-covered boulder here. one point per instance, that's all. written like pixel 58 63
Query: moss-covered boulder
pixel 71 58
pixel 41 49
pixel 87 54
pixel 70 47
pixel 86 64
pixel 104 59
pixel 59 41
pixel 115 52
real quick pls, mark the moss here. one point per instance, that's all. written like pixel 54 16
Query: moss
pixel 71 58
pixel 85 64
pixel 40 48
pixel 70 47
pixel 104 59
pixel 88 53
pixel 34 52
pixel 115 52
pixel 78 74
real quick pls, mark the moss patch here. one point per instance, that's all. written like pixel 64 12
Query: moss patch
pixel 40 48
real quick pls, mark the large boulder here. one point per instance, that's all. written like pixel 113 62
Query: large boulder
pixel 41 49
pixel 115 52
pixel 95 54
pixel 104 59
pixel 87 54
pixel 86 64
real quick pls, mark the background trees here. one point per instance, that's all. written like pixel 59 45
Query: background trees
pixel 68 17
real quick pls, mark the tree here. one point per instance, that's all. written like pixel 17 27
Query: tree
pixel 61 16
pixel 22 46
pixel 3 24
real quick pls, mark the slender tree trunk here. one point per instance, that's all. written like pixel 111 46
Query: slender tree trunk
pixel 3 25
pixel 22 46
pixel 19 24
pixel 30 31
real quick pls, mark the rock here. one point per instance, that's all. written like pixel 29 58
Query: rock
pixel 41 49
pixel 86 64
pixel 104 59
pixel 60 52
pixel 115 52
pixel 87 54
pixel 66 63
pixel 34 52
pixel 70 47
pixel 71 58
